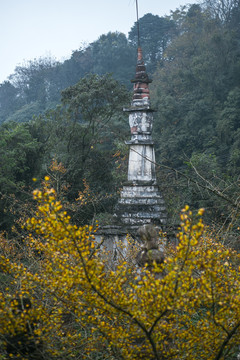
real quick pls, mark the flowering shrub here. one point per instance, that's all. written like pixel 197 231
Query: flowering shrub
pixel 81 308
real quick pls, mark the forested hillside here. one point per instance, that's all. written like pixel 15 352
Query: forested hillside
pixel 63 161
pixel 70 114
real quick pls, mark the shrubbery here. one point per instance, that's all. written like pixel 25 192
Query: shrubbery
pixel 188 307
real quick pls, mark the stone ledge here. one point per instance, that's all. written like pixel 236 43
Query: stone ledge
pixel 156 200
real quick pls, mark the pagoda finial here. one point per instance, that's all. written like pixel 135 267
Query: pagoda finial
pixel 141 81
pixel 139 57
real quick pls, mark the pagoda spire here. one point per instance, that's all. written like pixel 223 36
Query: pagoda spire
pixel 141 202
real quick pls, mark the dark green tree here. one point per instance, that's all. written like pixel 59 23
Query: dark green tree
pixel 94 106
pixel 196 126
pixel 82 132
pixel 155 35
pixel 8 100
pixel 20 158
pixel 32 79
pixel 113 54
pixel 222 9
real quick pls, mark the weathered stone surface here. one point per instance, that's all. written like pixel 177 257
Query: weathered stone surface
pixel 140 191
pixel 140 200
pixel 150 251
pixel 141 163
pixel 140 122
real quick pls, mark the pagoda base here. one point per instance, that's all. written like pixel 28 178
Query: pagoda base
pixel 141 204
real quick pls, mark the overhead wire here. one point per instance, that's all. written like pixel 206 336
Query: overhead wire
pixel 138 31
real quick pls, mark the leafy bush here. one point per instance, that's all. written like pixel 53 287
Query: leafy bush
pixel 188 307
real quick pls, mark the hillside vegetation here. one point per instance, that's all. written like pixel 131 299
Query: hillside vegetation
pixel 70 113
pixel 63 161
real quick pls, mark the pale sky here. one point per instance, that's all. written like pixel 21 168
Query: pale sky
pixel 36 28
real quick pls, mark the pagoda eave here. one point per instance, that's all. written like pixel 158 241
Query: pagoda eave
pixel 139 108
pixel 141 142
pixel 143 80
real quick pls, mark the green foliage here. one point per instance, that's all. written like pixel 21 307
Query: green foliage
pixel 33 79
pixel 41 81
pixel 90 116
pixel 195 55
pixel 112 53
pixel 80 144
pixel 155 35
pixel 197 97
pixel 19 154
pixel 26 112
pixel 95 96
pixel 79 133
pixel 20 158
pixel 8 100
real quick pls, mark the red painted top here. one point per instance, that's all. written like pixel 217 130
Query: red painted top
pixel 141 81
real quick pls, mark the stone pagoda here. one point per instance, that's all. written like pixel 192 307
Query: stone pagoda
pixel 140 201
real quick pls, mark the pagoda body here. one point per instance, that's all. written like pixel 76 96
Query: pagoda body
pixel 140 201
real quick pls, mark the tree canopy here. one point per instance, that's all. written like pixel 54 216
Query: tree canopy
pixel 192 57
pixel 62 134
